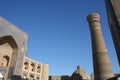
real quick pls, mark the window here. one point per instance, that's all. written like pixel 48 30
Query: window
pixel 26 65
pixel 32 67
pixel 31 77
pixel 38 69
pixel 37 78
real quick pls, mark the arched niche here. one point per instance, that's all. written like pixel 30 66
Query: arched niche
pixel 5 61
pixel 12 43
pixel 31 77
pixel 37 78
pixel 26 65
pixel 38 69
pixel 5 54
pixel 32 67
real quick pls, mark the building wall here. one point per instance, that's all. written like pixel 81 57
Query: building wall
pixel 45 71
pixel 64 78
pixel 113 12
pixel 32 69
pixel 78 74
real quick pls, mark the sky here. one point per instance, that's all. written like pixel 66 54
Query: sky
pixel 58 32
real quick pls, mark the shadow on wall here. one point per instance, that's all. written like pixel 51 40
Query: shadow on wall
pixel 60 78
pixel 66 78
pixel 75 76
pixel 117 77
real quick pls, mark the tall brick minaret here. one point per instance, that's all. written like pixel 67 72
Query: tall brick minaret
pixel 101 61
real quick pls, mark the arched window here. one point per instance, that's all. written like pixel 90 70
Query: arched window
pixel 38 69
pixel 5 60
pixel 32 67
pixel 31 77
pixel 9 46
pixel 37 78
pixel 26 65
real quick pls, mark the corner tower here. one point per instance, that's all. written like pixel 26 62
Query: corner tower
pixel 101 61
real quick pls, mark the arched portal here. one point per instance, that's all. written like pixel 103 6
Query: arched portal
pixel 8 52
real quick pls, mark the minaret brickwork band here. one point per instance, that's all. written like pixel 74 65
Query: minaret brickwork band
pixel 101 62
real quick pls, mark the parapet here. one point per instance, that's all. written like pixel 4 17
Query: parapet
pixel 94 17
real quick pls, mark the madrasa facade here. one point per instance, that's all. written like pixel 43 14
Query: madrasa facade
pixel 14 65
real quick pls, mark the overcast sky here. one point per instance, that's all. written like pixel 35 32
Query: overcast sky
pixel 58 32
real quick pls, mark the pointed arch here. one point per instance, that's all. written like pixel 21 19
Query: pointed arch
pixel 26 65
pixel 37 78
pixel 32 67
pixel 8 39
pixel 11 61
pixel 38 69
pixel 6 59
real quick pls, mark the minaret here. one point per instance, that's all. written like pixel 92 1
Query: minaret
pixel 101 62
